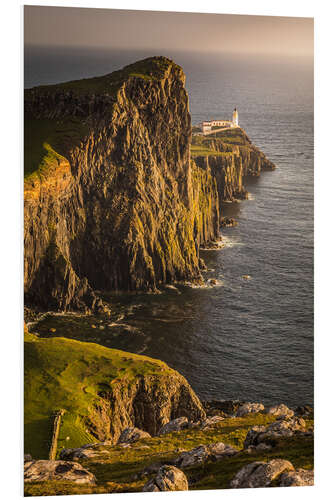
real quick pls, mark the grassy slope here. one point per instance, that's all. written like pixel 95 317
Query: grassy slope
pixel 63 373
pixel 45 140
pixel 118 469
pixel 204 145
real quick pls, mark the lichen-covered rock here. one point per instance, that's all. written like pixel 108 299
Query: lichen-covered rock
pixel 280 411
pixel 174 425
pixel 202 453
pixel 260 474
pixel 247 408
pixel 86 451
pixel 168 478
pixel 211 421
pixel 299 477
pixel 278 429
pixel 57 470
pixel 115 204
pixel 131 435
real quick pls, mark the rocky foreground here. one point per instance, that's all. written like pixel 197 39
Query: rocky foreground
pixel 124 422
pixel 251 447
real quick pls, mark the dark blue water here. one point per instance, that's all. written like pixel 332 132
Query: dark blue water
pixel 248 339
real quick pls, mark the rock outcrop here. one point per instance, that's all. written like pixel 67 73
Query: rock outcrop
pixel 174 426
pixel 279 428
pixel 260 474
pixel 57 470
pixel 203 453
pixel 168 478
pixel 103 390
pixel 230 157
pixel 132 435
pixel 111 199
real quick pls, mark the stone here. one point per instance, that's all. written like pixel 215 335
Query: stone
pixel 174 425
pixel 202 265
pixel 299 477
pixel 260 474
pixel 202 453
pixel 228 222
pixel 247 408
pixel 131 435
pixel 279 428
pixel 57 470
pixel 280 411
pixel 195 456
pixel 217 451
pixel 168 478
pixel 211 421
pixel 76 453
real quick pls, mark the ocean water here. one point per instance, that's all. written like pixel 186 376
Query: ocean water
pixel 242 339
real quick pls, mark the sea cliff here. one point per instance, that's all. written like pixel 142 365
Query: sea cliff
pixel 230 157
pixel 115 199
pixel 111 199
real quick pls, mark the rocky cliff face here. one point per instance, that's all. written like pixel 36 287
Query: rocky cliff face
pixel 230 157
pixel 99 392
pixel 111 200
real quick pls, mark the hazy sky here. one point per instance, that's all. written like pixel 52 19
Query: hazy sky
pixel 102 28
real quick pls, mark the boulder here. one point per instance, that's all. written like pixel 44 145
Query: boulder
pixel 260 474
pixel 86 451
pixel 247 408
pixel 175 425
pixel 131 435
pixel 195 456
pixel 211 421
pixel 57 470
pixel 299 477
pixel 280 428
pixel 168 478
pixel 202 453
pixel 280 411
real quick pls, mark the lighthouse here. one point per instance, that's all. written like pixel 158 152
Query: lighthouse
pixel 235 118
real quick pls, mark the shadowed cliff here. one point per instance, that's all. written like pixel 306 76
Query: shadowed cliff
pixel 111 200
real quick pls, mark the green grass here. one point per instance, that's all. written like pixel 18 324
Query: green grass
pixel 68 374
pixel 198 150
pixel 46 143
pixel 119 469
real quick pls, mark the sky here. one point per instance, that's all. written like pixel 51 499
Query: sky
pixel 129 29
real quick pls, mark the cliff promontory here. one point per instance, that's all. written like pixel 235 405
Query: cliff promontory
pixel 111 199
pixel 230 157
pixel 99 391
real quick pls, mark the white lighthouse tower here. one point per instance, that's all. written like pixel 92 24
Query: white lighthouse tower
pixel 235 118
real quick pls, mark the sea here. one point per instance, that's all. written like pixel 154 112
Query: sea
pixel 248 339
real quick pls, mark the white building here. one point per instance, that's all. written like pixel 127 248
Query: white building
pixel 207 126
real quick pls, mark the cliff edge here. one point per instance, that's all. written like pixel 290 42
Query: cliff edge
pixel 111 200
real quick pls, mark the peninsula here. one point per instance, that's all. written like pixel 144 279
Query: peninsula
pixel 120 194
